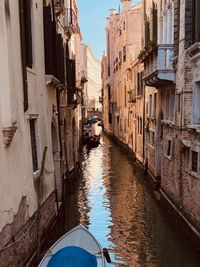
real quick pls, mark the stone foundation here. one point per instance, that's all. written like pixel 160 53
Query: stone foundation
pixel 23 243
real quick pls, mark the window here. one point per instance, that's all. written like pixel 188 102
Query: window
pixel 179 103
pixel 138 125
pixel 147 108
pixel 194 161
pixel 110 118
pixel 141 126
pixel 168 148
pixel 155 103
pixel 152 136
pixel 120 125
pixel 109 92
pixel 124 25
pixel 26 30
pixel 170 106
pixel 116 61
pixel 140 83
pixel 125 126
pixel 150 104
pixel 124 53
pixel 120 58
pixel 192 27
pixel 196 101
pixel 33 145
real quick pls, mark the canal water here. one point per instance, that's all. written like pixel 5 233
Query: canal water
pixel 114 200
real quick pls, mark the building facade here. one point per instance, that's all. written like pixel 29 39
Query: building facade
pixel 171 67
pixel 151 99
pixel 40 116
pixel 92 73
pixel 125 98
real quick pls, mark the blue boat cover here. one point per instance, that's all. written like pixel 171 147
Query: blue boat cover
pixel 72 257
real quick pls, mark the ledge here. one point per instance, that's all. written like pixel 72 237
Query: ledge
pixel 52 80
pixel 194 51
pixel 8 134
pixel 195 127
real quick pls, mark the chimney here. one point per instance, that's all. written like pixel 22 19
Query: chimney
pixel 126 5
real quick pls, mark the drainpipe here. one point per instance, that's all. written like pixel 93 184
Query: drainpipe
pixel 23 54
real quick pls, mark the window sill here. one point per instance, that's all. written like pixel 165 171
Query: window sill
pixel 194 51
pixel 32 71
pixel 50 79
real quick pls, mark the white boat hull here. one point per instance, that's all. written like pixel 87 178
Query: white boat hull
pixel 79 237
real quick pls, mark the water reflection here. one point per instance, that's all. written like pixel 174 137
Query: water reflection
pixel 114 201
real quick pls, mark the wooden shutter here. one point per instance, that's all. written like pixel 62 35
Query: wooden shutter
pixel 23 54
pixel 48 41
pixel 71 78
pixel 176 26
pixel 28 32
pixel 155 23
pixel 189 23
pixel 60 58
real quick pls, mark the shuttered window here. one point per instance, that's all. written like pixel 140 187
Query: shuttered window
pixel 60 59
pixel 192 22
pixel 176 26
pixel 194 161
pixel 71 79
pixel 26 29
pixel 50 67
pixel 154 23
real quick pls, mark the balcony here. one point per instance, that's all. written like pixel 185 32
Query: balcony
pixel 71 22
pixel 158 62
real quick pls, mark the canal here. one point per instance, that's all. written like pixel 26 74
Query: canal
pixel 114 200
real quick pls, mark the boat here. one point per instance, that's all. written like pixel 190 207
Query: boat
pixel 76 248
pixel 92 132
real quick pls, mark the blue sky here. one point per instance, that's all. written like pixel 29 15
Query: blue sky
pixel 92 19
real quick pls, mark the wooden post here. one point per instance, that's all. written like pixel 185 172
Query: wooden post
pixel 40 180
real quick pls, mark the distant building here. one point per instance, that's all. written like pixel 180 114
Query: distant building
pixel 125 99
pixel 92 72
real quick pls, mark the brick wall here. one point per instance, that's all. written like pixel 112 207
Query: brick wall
pixel 23 243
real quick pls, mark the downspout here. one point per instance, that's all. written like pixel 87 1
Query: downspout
pixel 23 54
